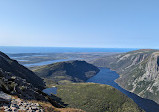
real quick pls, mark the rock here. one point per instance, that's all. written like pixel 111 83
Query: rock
pixel 20 105
pixel 4 98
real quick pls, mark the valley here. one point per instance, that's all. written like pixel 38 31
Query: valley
pixel 79 56
pixel 55 72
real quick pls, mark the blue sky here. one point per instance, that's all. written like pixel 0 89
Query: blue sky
pixel 80 23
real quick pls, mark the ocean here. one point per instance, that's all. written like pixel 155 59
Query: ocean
pixel 15 50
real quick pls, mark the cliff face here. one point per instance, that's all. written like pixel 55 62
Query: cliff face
pixel 147 85
pixel 75 71
pixel 139 71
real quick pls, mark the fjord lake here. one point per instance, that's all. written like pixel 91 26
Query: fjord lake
pixel 108 77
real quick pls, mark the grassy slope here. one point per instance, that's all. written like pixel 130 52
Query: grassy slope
pixel 95 98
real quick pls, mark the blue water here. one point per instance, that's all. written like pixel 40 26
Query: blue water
pixel 45 62
pixel 106 76
pixel 50 91
pixel 60 49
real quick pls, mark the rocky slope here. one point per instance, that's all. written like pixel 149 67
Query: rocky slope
pixel 14 85
pixel 139 71
pixel 15 104
pixel 75 71
pixel 12 66
pixel 93 97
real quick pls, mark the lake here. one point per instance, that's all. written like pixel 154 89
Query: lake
pixel 46 62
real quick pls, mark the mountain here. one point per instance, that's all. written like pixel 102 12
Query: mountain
pixel 138 70
pixel 75 71
pixel 92 97
pixel 13 67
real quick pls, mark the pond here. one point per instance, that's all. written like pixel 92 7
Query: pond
pixel 49 91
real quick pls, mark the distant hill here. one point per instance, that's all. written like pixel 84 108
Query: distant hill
pixel 92 97
pixel 139 71
pixel 75 71
pixel 12 66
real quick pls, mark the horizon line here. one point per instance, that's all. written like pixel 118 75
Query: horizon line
pixel 81 47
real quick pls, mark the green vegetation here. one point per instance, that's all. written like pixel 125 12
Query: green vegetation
pixel 69 71
pixel 93 97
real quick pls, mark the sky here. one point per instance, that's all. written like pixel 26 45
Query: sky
pixel 80 23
